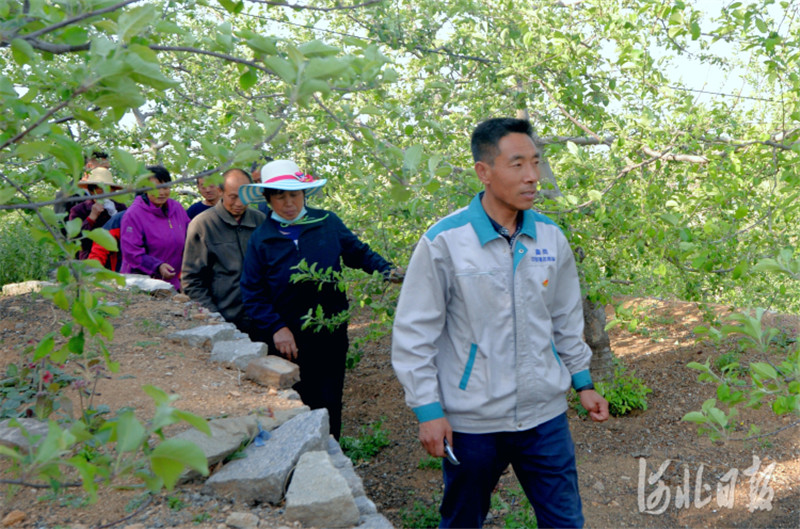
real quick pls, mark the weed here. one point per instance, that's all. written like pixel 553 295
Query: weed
pixel 73 501
pixel 175 503
pixel 515 508
pixel 200 518
pixel 149 327
pixel 422 515
pixel 430 463
pixel 372 439
pixel 624 393
pixel 21 257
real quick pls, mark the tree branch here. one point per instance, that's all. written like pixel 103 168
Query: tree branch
pixel 81 89
pixel 691 158
pixel 224 56
pixel 77 18
pixel 566 114
pixel 782 428
pixel 314 8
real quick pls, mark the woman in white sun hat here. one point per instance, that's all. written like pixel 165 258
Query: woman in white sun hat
pixel 95 213
pixel 291 233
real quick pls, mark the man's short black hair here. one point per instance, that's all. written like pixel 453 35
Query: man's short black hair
pixel 159 173
pixel 487 135
pixel 232 171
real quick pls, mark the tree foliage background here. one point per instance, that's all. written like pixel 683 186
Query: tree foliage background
pixel 667 191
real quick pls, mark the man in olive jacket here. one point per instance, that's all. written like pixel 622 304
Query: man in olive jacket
pixel 216 242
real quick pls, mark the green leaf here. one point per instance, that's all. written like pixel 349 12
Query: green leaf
pixel 132 22
pixel 317 48
pixel 572 148
pixel 158 395
pixel 761 25
pixel 325 68
pixel 73 227
pixel 763 370
pixel 283 68
pixel 22 52
pixel 231 6
pixel 412 157
pixel 148 73
pixel 266 45
pixel 45 346
pixel 104 238
pixel 76 343
pixel 695 30
pixel 695 417
pixel 130 432
pixel 6 194
pixel 248 78
pixel 169 458
pixel 195 420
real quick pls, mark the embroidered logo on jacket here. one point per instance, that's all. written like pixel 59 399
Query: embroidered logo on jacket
pixel 542 255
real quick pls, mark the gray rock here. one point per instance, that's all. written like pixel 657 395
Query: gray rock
pixel 12 437
pixel 262 475
pixel 228 434
pixel 345 467
pixel 273 371
pixel 147 284
pixel 237 353
pixel 375 521
pixel 26 287
pixel 318 495
pixel 205 335
pixel 242 520
pixel 365 505
pixel 289 394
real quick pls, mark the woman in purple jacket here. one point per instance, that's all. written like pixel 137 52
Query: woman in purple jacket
pixel 154 232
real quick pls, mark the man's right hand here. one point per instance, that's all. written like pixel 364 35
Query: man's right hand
pixel 432 435
pixel 285 344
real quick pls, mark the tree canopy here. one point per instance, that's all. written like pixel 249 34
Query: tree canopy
pixel 666 190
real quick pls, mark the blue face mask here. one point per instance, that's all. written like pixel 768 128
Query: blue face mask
pixel 280 219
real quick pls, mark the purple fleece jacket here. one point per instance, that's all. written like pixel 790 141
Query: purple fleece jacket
pixel 150 236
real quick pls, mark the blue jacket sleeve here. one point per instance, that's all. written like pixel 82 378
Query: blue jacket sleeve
pixel 357 254
pixel 256 293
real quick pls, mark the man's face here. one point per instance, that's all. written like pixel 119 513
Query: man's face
pixel 211 192
pixel 511 179
pixel 230 197
pixel 287 204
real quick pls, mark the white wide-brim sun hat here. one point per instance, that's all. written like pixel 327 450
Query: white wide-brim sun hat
pixel 283 175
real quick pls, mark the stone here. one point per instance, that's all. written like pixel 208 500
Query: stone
pixel 365 505
pixel 26 287
pixel 200 316
pixel 318 494
pixel 228 434
pixel 180 298
pixel 12 437
pixel 345 467
pixel 131 526
pixel 261 476
pixel 205 335
pixel 242 520
pixel 14 517
pixel 155 287
pixel 237 353
pixel 375 521
pixel 289 394
pixel 272 371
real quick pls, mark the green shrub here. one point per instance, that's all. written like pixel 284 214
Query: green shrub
pixel 430 463
pixel 421 515
pixel 21 257
pixel 364 447
pixel 518 512
pixel 625 392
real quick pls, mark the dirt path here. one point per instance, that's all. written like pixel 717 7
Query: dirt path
pixel 609 455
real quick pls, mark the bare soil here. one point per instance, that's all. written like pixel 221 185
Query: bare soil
pixel 608 455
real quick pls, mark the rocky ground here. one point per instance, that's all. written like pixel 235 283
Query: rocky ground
pixel 609 455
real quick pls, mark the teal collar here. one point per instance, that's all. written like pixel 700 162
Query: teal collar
pixel 482 224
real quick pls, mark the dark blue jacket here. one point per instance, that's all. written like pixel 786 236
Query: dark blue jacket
pixel 271 300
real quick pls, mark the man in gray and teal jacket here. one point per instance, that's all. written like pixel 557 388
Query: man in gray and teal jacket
pixel 488 339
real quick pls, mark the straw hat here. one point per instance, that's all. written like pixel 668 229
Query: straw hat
pixel 100 176
pixel 283 175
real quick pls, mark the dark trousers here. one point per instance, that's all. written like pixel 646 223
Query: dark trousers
pixel 543 459
pixel 321 357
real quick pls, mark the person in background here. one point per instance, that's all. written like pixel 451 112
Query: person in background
pixel 276 306
pixel 211 194
pixel 216 242
pixel 97 159
pixel 95 213
pixel 488 338
pixel 104 256
pixel 153 232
